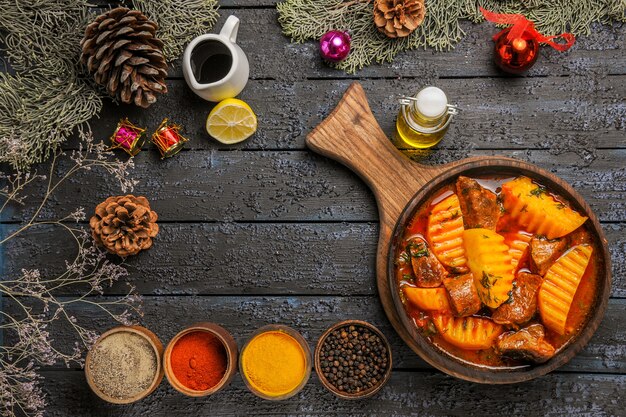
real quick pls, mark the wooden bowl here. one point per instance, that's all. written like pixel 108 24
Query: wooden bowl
pixel 231 354
pixel 351 135
pixel 307 360
pixel 156 345
pixel 445 361
pixel 330 387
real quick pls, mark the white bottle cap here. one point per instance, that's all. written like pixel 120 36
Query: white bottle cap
pixel 431 102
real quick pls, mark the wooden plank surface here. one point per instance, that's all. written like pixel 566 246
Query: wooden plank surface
pixel 302 186
pixel 313 314
pixel 258 258
pixel 576 113
pixel 265 231
pixel 407 393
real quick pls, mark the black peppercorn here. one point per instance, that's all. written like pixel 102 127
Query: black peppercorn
pixel 353 359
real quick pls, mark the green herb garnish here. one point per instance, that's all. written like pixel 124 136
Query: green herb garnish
pixel 538 192
pixel 484 281
pixel 487 282
pixel 417 250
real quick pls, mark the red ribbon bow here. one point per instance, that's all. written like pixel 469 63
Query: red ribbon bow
pixel 521 24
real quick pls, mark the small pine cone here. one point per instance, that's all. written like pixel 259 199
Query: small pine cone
pixel 398 18
pixel 124 225
pixel 122 52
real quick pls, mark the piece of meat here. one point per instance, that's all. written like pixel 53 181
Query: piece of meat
pixel 427 269
pixel 544 252
pixel 523 301
pixel 580 236
pixel 528 344
pixel 478 205
pixel 463 295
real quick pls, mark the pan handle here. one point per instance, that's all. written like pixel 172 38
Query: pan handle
pixel 352 136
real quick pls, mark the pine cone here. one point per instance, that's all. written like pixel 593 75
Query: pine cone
pixel 398 18
pixel 121 51
pixel 124 225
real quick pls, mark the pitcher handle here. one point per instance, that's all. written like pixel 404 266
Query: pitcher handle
pixel 230 28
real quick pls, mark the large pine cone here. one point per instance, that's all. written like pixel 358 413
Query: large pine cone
pixel 398 18
pixel 124 225
pixel 121 51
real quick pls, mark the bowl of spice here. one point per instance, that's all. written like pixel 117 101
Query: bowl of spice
pixel 124 365
pixel 275 362
pixel 201 359
pixel 353 359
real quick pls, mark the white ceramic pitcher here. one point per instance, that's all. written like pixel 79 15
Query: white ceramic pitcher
pixel 214 66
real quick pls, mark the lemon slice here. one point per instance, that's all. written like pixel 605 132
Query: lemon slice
pixel 231 121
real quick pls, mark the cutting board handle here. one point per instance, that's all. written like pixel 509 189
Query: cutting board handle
pixel 352 136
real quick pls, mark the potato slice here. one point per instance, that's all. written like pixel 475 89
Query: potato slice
pixel 518 245
pixel 471 333
pixel 445 234
pixel 537 211
pixel 428 299
pixel 559 286
pixel 489 260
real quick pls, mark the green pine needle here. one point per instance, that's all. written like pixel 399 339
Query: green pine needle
pixel 303 20
pixel 179 21
pixel 47 97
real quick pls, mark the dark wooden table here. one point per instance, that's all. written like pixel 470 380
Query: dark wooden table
pixel 268 232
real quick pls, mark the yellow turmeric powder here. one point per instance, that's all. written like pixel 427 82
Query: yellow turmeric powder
pixel 273 363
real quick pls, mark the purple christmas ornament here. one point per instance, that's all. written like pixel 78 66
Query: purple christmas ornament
pixel 335 45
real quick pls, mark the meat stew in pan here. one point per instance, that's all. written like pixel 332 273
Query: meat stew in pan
pixel 497 272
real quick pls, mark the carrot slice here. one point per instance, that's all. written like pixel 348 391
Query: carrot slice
pixel 490 262
pixel 559 286
pixel 518 244
pixel 471 333
pixel 445 233
pixel 428 299
pixel 532 207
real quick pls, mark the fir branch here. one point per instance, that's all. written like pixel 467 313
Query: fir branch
pixel 48 96
pixel 304 20
pixel 179 21
pixel 41 111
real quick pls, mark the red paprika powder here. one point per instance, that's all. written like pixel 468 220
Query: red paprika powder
pixel 199 360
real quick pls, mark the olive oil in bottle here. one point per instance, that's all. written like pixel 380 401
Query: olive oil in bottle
pixel 424 119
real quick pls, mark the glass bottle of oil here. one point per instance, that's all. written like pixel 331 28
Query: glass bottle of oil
pixel 425 118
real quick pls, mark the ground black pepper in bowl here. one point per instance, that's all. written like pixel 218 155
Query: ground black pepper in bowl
pixel 353 359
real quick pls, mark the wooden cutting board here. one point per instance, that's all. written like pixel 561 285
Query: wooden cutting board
pixel 352 136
